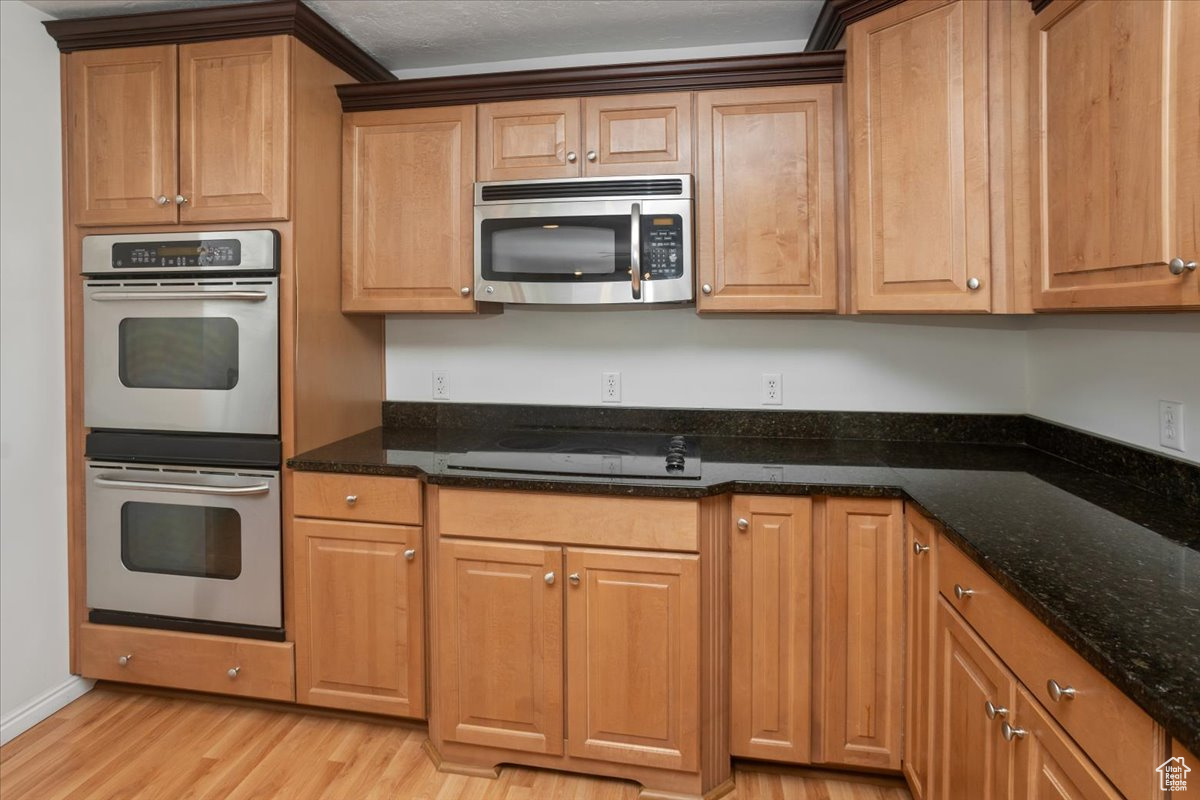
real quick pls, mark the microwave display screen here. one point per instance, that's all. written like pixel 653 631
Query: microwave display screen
pixel 159 255
pixel 565 249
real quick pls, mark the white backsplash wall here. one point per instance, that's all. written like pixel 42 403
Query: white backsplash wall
pixel 1107 373
pixel 670 357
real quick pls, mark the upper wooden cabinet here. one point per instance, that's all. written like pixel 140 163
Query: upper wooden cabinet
pixel 917 86
pixel 567 137
pixel 407 210
pixel 190 133
pixel 1114 110
pixel 766 209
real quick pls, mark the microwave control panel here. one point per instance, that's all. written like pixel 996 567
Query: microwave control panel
pixel 159 255
pixel 662 246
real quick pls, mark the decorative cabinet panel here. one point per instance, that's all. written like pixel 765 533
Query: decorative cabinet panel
pixel 1049 766
pixel 1114 110
pixel 766 209
pixel 917 87
pixel 407 210
pixel 921 616
pixel 121 131
pixel 500 645
pixel 233 130
pixel 771 588
pixel 633 673
pixel 861 647
pixel 360 616
pixel 529 139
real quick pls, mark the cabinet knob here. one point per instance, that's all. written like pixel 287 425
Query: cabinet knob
pixel 573 578
pixel 232 672
pixel 410 554
pixel 994 711
pixel 1178 266
pixel 180 199
pixel 1058 692
pixel 549 578
pixel 919 548
pixel 1010 733
pixel 743 524
pixel 973 283
pixel 124 660
pixel 591 155
pixel 706 288
pixel 351 499
pixel 161 200
pixel 464 291
pixel 961 593
pixel 571 157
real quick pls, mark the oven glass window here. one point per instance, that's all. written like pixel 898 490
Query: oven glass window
pixel 556 249
pixel 178 352
pixel 198 541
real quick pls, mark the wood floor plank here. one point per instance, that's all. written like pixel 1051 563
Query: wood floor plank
pixel 113 743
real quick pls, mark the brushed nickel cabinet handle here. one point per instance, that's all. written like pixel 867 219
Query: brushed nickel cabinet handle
pixel 591 155
pixel 124 660
pixel 1010 733
pixel 232 672
pixel 706 288
pixel 549 578
pixel 351 499
pixel 973 283
pixel 410 554
pixel 180 199
pixel 743 524
pixel 1178 266
pixel 961 593
pixel 573 578
pixel 919 548
pixel 1058 692
pixel 161 200
pixel 994 711
pixel 571 157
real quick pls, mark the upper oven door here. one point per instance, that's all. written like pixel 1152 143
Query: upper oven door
pixel 173 355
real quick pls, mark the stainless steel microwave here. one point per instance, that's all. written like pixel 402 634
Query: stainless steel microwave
pixel 585 240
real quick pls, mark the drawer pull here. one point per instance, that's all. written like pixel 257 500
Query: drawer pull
pixel 1059 693
pixel 351 499
pixel 919 548
pixel 410 554
pixel 124 660
pixel 961 593
pixel 995 711
pixel 743 525
pixel 232 672
pixel 1010 733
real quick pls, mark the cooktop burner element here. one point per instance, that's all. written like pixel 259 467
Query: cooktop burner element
pixel 629 455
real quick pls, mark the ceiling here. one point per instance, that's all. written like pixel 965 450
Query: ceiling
pixel 414 35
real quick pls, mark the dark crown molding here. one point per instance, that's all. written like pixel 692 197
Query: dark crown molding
pixel 835 15
pixel 657 76
pixel 206 24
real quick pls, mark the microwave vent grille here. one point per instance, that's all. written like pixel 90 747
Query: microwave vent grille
pixel 657 187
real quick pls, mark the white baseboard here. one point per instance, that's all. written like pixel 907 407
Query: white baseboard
pixel 36 710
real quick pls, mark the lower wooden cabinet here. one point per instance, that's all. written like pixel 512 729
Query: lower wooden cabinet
pixel 360 616
pixel 921 649
pixel 771 573
pixel 1049 766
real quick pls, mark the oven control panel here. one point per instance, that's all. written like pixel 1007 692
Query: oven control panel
pixel 191 252
pixel 662 246
pixel 174 255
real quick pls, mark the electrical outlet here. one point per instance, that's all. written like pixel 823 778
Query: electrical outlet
pixel 441 384
pixel 772 389
pixel 610 387
pixel 1170 424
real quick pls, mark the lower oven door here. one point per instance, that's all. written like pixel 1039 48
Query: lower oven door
pixel 192 543
pixel 177 355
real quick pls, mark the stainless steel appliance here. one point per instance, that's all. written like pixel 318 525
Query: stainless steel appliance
pixel 178 542
pixel 628 455
pixel 585 240
pixel 173 352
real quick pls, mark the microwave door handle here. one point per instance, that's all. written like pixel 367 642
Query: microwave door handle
pixel 188 488
pixel 253 297
pixel 635 250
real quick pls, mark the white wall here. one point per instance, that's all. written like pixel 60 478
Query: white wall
pixel 670 357
pixel 1106 373
pixel 34 681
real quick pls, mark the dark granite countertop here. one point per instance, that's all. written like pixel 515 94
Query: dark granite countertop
pixel 1111 568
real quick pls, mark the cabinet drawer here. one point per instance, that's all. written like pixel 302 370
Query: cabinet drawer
pixel 1110 727
pixel 358 498
pixel 188 661
pixel 636 522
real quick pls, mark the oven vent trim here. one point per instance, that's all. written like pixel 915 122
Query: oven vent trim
pixel 511 191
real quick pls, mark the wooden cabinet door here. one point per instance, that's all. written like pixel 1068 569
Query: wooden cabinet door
pixel 500 645
pixel 638 134
pixel 1049 765
pixel 771 622
pixel 633 653
pixel 360 617
pixel 1114 112
pixel 861 646
pixel 765 234
pixel 529 139
pixel 408 210
pixel 971 758
pixel 234 130
pixel 121 155
pixel 921 615
pixel 918 114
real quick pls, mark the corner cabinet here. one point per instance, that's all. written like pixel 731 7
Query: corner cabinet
pixel 408 210
pixel 921 653
pixel 203 132
pixel 1115 106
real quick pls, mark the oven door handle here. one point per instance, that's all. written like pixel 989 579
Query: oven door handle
pixel 253 297
pixel 635 250
pixel 189 488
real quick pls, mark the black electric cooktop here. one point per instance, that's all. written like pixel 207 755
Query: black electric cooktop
pixel 630 455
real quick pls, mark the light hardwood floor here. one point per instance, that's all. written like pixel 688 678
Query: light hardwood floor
pixel 117 744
